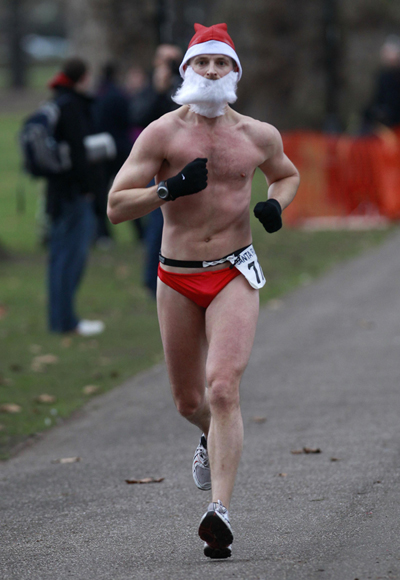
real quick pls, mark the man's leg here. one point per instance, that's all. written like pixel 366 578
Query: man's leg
pixel 182 326
pixel 231 321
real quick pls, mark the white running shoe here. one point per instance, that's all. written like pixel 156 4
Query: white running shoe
pixel 201 466
pixel 215 528
pixel 218 553
pixel 89 327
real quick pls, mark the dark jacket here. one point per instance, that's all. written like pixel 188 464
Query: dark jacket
pixel 75 122
pixel 149 105
pixel 112 114
pixel 385 105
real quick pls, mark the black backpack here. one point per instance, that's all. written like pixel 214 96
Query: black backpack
pixel 42 154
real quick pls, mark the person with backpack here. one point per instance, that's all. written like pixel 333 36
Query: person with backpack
pixel 70 200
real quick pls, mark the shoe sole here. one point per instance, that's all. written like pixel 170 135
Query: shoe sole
pixel 218 553
pixel 215 532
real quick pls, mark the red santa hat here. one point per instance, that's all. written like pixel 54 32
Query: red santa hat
pixel 210 40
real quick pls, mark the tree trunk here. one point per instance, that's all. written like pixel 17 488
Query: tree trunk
pixel 15 34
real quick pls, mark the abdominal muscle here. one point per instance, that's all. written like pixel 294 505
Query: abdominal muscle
pixel 206 230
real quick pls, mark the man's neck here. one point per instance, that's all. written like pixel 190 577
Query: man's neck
pixel 212 121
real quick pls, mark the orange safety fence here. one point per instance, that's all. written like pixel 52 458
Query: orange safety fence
pixel 343 175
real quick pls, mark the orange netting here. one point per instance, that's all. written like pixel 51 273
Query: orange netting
pixel 343 175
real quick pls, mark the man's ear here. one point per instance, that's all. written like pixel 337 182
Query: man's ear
pixel 235 66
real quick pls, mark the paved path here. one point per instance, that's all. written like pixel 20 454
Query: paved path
pixel 325 374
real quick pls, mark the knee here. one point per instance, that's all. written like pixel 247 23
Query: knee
pixel 224 393
pixel 188 406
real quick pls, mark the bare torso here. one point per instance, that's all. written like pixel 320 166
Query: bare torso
pixel 216 221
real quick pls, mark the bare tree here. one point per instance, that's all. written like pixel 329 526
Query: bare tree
pixel 16 21
pixel 291 62
pixel 125 30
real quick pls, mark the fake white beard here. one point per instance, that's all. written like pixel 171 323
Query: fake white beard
pixel 205 96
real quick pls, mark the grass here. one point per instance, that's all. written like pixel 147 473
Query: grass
pixel 37 75
pixel 112 291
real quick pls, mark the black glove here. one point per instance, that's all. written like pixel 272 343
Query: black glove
pixel 269 213
pixel 192 179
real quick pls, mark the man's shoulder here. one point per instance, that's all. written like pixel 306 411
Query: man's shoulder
pixel 170 122
pixel 258 129
pixel 157 135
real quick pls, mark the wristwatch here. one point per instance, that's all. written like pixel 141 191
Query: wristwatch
pixel 162 191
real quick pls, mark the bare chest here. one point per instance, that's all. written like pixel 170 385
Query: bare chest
pixel 232 157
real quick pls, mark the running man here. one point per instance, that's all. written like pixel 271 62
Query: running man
pixel 204 156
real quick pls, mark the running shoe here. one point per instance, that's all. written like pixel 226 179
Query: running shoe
pixel 219 553
pixel 215 528
pixel 201 466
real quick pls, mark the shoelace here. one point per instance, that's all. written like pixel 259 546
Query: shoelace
pixel 204 457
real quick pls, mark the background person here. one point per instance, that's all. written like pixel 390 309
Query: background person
pixel 149 105
pixel 70 199
pixel 113 115
pixel 384 108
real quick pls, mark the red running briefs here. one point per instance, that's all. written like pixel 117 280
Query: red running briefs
pixel 200 287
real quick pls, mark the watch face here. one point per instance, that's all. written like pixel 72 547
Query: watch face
pixel 162 192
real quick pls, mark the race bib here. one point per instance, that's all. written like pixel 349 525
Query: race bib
pixel 247 263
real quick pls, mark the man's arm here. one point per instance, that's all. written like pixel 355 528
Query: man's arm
pixel 129 198
pixel 282 176
pixel 283 181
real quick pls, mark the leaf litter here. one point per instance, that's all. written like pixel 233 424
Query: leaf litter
pixel 46 399
pixel 10 408
pixel 145 480
pixel 306 450
pixel 67 460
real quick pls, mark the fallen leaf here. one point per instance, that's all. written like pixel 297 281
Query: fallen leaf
pixel 67 460
pixel 306 450
pixel 35 348
pixel 10 408
pixel 40 363
pixel 46 399
pixel 3 311
pixel 4 381
pixel 334 459
pixel 282 474
pixel 46 359
pixel 259 419
pixel 66 342
pixel 145 480
pixel 90 389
